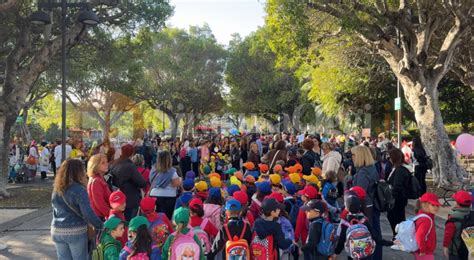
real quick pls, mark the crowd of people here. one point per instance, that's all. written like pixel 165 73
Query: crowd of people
pixel 248 197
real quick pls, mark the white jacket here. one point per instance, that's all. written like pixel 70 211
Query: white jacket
pixel 332 162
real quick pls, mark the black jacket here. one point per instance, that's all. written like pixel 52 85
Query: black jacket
pixel 400 181
pixel 236 226
pixel 264 228
pixel 420 156
pixel 127 178
pixel 307 161
pixel 314 235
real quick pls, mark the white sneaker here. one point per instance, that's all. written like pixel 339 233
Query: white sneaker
pixel 396 247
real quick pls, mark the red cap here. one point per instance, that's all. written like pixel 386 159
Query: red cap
pixel 309 191
pixel 431 198
pixel 194 202
pixel 148 204
pixel 263 167
pixel 277 196
pixel 242 197
pixel 117 199
pixel 463 198
pixel 359 191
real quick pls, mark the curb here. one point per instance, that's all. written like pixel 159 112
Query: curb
pixel 25 218
pixel 439 221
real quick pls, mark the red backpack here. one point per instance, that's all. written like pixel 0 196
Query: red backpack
pixel 237 247
pixel 262 249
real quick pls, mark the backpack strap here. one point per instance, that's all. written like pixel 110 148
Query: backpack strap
pixel 431 223
pixel 227 232
pixel 243 231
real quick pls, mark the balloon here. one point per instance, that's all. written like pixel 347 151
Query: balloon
pixel 465 144
pixel 234 131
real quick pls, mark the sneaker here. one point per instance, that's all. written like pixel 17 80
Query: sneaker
pixel 397 247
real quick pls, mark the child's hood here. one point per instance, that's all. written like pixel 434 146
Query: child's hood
pixel 264 228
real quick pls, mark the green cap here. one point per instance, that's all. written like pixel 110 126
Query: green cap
pixel 137 222
pixel 207 169
pixel 181 215
pixel 231 171
pixel 112 223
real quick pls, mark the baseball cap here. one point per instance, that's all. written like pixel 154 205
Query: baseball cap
pixel 215 193
pixel 249 165
pixel 112 223
pixel 233 205
pixel 215 182
pixel 277 168
pixel 271 204
pixel 309 191
pixel 214 174
pixel 311 178
pixel 194 202
pixel 359 191
pixel 295 178
pixel 201 186
pixel 117 199
pixel 314 205
pixel 232 188
pixel 188 184
pixel 147 204
pixel 316 171
pixel 249 179
pixel 263 167
pixel 181 215
pixel 230 171
pixel 275 179
pixel 298 167
pixel 136 222
pixel 239 175
pixel 255 174
pixel 264 187
pixel 463 198
pixel 290 169
pixel 277 196
pixel 206 169
pixel 241 196
pixel 289 186
pixel 190 175
pixel 430 198
pixel 235 181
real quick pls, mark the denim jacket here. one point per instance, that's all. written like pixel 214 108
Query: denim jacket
pixel 65 221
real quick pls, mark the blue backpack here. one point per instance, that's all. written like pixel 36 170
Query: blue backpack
pixel 295 208
pixel 327 242
pixel 288 231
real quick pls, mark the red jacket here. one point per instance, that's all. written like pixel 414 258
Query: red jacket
pixel 146 175
pixel 449 230
pixel 301 230
pixel 426 243
pixel 210 229
pixel 99 193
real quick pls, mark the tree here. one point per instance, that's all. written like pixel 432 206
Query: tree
pixel 416 62
pixel 184 74
pixel 456 103
pixel 26 51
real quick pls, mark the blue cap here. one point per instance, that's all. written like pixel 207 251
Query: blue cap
pixel 190 175
pixel 188 184
pixel 215 193
pixel 233 204
pixel 264 187
pixel 232 188
pixel 255 174
pixel 290 187
pixel 185 198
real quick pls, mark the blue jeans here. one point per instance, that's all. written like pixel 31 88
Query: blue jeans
pixel 71 247
pixel 378 254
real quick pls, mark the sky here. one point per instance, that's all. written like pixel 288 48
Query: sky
pixel 225 17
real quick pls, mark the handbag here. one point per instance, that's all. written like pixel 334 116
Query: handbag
pixel 91 233
pixel 31 160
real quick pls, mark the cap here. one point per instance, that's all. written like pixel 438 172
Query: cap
pixel 188 184
pixel 230 171
pixel 148 204
pixel 215 182
pixel 309 191
pixel 352 202
pixel 181 215
pixel 136 222
pixel 201 186
pixel 277 196
pixel 298 168
pixel 314 205
pixel 463 198
pixel 249 179
pixel 215 193
pixel 263 167
pixel 249 165
pixel 194 202
pixel 190 175
pixel 430 198
pixel 271 204
pixel 235 181
pixel 255 174
pixel 277 168
pixel 239 175
pixel 232 188
pixel 289 186
pixel 241 196
pixel 264 187
pixel 359 191
pixel 214 174
pixel 206 169
pixel 117 199
pixel 275 179
pixel 290 169
pixel 112 223
pixel 316 171
pixel 233 204
pixel 295 178
pixel 311 178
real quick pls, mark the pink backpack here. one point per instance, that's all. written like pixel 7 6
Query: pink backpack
pixel 202 235
pixel 139 256
pixel 185 247
pixel 212 212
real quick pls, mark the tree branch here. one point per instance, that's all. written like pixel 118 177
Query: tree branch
pixel 6 6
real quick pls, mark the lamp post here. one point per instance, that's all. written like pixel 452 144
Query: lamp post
pixel 86 18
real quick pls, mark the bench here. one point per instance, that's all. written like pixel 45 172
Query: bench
pixel 448 192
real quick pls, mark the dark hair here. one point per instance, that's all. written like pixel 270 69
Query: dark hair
pixel 215 200
pixel 198 210
pixel 417 143
pixel 308 144
pixel 142 242
pixel 396 157
pixel 280 145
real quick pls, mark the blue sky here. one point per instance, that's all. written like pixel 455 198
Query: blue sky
pixel 225 17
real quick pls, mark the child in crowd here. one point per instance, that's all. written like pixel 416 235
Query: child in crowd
pixel 291 201
pixel 117 201
pixel 113 229
pixel 213 206
pixel 285 224
pixel 452 233
pixel 235 227
pixel 197 213
pixel 187 195
pixel 275 180
pixel 314 210
pixel 183 243
pixel 201 190
pixel 249 183
pixel 329 195
pixel 139 245
pixel 245 214
pixel 425 227
pixel 263 189
pixel 231 190
pixel 160 226
pixel 301 230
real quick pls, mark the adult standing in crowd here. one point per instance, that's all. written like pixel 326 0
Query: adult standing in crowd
pixel 278 153
pixel 309 157
pixel 253 155
pixel 45 155
pixel 421 159
pixel 127 178
pixel 97 188
pixel 332 159
pixel 164 184
pixel 244 148
pixel 194 155
pixel 32 161
pixel 317 150
pixel 235 155
pixel 139 161
pixel 72 212
pixel 58 153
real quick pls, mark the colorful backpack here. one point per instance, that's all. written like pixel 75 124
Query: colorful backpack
pixel 202 235
pixel 262 249
pixel 184 247
pixel 237 248
pixel 359 242
pixel 139 256
pixel 98 252
pixel 159 232
pixel 328 240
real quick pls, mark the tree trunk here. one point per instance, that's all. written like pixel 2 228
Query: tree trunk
pixel 6 123
pixel 106 128
pixel 173 125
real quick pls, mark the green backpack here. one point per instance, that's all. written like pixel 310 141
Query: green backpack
pixel 98 252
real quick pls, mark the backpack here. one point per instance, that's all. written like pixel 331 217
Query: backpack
pixel 464 230
pixel 295 208
pixel 183 153
pixel 359 242
pixel 185 247
pixel 406 233
pixel 109 179
pixel 202 235
pixel 384 200
pixel 288 231
pixel 327 242
pixel 139 256
pixel 98 252
pixel 237 247
pixel 262 249
pixel 159 232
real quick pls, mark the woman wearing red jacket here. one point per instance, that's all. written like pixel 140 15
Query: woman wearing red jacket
pixel 97 188
pixel 425 227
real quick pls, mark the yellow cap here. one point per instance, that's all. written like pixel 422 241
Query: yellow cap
pixel 235 181
pixel 201 186
pixel 275 179
pixel 312 178
pixel 215 182
pixel 295 178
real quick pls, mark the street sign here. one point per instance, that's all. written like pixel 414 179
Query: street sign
pixel 398 103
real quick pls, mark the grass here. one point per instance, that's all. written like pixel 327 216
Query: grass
pixel 28 197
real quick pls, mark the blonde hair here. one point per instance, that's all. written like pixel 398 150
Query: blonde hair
pixel 327 145
pixel 363 156
pixel 94 163
pixel 71 171
pixel 163 162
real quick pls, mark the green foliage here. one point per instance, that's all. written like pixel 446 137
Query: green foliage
pixel 456 103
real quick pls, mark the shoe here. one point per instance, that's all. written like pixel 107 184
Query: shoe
pixel 397 247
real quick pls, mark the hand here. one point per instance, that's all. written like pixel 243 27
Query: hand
pixel 421 254
pixel 446 251
pixel 300 252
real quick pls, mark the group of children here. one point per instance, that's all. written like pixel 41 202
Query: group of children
pixel 257 215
